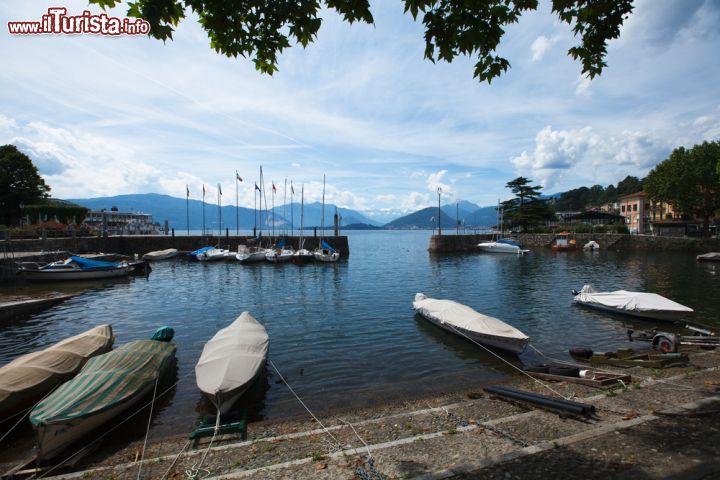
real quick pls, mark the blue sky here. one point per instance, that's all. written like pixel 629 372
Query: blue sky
pixel 105 116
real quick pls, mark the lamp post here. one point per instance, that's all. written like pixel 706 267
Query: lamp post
pixel 439 228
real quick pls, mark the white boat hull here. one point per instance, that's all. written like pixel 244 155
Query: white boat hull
pixel 508 344
pixel 327 257
pixel 49 275
pixel 650 315
pixel 283 256
pixel 160 255
pixel 251 257
pixel 494 247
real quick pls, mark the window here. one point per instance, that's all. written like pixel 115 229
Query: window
pixel 635 207
pixel 622 209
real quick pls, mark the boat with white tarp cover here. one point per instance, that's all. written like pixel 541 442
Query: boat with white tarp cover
pixel 107 386
pixel 231 361
pixel 161 254
pixel 27 379
pixel 466 322
pixel 638 304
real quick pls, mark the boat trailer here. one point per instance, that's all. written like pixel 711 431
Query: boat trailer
pixel 670 342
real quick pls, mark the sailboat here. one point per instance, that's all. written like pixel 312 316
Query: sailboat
pixel 325 252
pixel 302 255
pixel 279 253
pixel 254 253
pixel 502 245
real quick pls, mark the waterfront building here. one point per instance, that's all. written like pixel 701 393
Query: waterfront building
pixel 114 222
pixel 635 208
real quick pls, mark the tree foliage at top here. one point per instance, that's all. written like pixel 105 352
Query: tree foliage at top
pixel 526 209
pixel 260 30
pixel 581 198
pixel 20 183
pixel 689 180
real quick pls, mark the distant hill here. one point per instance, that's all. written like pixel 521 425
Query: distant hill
pixel 482 217
pixel 460 209
pixel 361 226
pixel 173 209
pixel 422 219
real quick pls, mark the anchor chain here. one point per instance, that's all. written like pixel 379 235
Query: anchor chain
pixel 363 475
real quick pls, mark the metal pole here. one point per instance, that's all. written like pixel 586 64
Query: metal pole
pixel 187 208
pixel 439 211
pixel 203 230
pixel 237 206
pixel 457 218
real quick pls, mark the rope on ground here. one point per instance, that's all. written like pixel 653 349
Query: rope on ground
pixel 371 461
pixel 187 444
pixel 147 431
pixel 24 414
pixel 464 423
pixel 305 406
pixel 513 366
pixel 56 466
pixel 194 472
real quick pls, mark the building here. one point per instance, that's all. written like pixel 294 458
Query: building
pixel 114 222
pixel 635 207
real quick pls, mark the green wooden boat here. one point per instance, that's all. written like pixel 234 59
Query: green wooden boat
pixel 106 387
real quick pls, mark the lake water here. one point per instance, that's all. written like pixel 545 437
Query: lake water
pixel 345 334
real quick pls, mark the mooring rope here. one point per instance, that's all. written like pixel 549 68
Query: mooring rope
pixel 193 473
pixel 147 431
pixel 187 444
pixel 24 414
pixel 510 364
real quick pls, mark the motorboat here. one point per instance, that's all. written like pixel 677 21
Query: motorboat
pixel 502 245
pixel 231 361
pixel 466 322
pixel 638 304
pixel 194 254
pixel 160 254
pixel 214 255
pixel 591 246
pixel 107 386
pixel 27 379
pixel 563 242
pixel 76 268
pixel 709 257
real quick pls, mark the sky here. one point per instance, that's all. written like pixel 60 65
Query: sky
pixel 104 116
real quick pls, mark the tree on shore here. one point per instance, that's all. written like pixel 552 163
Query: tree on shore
pixel 526 209
pixel 262 30
pixel 20 184
pixel 689 180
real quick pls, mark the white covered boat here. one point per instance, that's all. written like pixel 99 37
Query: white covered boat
pixel 639 304
pixel 213 255
pixel 231 361
pixel 77 268
pixel 161 254
pixel 251 255
pixel 502 245
pixel 27 379
pixel 279 253
pixel 466 322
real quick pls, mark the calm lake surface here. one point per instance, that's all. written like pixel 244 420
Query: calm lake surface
pixel 345 335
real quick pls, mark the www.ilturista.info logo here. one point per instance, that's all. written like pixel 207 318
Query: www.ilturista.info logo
pixel 57 21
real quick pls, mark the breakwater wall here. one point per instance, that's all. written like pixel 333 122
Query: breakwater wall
pixel 607 241
pixel 140 244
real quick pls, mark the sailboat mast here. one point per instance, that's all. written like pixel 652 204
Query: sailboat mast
pixel 285 204
pixel 302 214
pixel 322 218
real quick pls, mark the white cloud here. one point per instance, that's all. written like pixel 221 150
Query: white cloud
pixel 541 45
pixel 585 153
pixel 582 86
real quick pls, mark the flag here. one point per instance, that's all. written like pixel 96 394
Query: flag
pixel 274 190
pixel 292 190
pixel 257 188
pixel 219 189
pixel 238 176
pixel 187 189
pixel 203 189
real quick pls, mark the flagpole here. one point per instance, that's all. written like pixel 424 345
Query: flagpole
pixel 187 209
pixel 203 230
pixel 237 206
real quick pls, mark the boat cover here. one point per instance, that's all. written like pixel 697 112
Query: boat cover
pixel 201 250
pixel 27 379
pixel 106 381
pixel 327 246
pixel 709 257
pixel 88 264
pixel 462 316
pixel 629 301
pixel 507 241
pixel 232 357
pixel 160 253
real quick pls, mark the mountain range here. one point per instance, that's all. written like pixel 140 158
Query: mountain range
pixel 175 211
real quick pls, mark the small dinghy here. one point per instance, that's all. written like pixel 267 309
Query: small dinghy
pixel 638 304
pixel 108 386
pixel 27 379
pixel 77 268
pixel 466 322
pixel 709 257
pixel 161 254
pixel 231 361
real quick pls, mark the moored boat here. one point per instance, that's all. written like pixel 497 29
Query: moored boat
pixel 231 361
pixel 279 253
pixel 107 386
pixel 466 322
pixel 28 378
pixel 214 255
pixel 709 257
pixel 564 242
pixel 638 304
pixel 502 245
pixel 194 254
pixel 161 254
pixel 77 268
